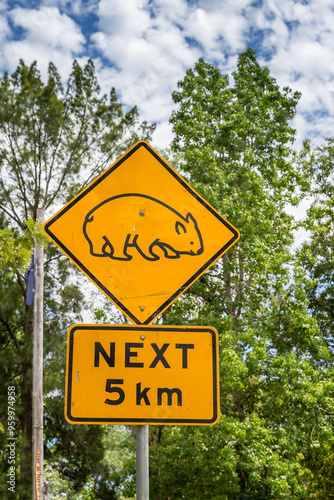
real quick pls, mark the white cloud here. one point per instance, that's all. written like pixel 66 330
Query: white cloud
pixel 78 8
pixel 149 52
pixel 152 49
pixel 152 45
pixel 4 29
pixel 301 38
pixel 48 36
pixel 144 47
pixel 175 11
pixel 48 27
pixel 125 19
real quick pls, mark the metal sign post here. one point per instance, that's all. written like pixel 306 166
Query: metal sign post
pixel 142 462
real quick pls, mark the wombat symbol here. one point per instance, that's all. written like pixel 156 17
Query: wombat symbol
pixel 135 221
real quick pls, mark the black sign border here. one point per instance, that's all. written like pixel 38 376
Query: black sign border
pixel 137 421
pixel 115 300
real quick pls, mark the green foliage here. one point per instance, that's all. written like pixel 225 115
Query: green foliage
pixel 16 246
pixel 56 484
pixel 273 309
pixel 55 139
pixel 51 133
pixel 235 142
pixel 317 253
pixel 317 257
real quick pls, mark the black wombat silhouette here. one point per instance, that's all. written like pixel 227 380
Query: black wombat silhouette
pixel 155 225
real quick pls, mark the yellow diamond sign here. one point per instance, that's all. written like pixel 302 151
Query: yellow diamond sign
pixel 141 233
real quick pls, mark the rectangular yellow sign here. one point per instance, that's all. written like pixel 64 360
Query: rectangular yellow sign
pixel 127 374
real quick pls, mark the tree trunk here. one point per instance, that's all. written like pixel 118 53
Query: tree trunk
pixel 25 481
pixel 238 404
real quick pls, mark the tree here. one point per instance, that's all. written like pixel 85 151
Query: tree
pixel 236 144
pixel 16 247
pixel 54 140
pixel 317 252
pixel 317 258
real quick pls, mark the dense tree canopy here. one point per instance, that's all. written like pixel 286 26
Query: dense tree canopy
pixel 54 138
pixel 317 252
pixel 317 257
pixel 272 304
pixel 236 144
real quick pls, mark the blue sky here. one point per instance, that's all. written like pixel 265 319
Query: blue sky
pixel 143 47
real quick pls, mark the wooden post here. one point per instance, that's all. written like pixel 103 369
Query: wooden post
pixel 142 463
pixel 38 371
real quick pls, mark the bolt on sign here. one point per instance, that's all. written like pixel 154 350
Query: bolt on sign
pixel 128 374
pixel 141 233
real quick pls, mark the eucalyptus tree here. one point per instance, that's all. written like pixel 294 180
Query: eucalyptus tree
pixel 236 141
pixel 54 139
pixel 316 255
pixel 317 251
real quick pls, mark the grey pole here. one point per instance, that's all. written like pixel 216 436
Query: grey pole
pixel 142 462
pixel 38 370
